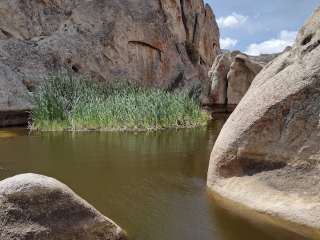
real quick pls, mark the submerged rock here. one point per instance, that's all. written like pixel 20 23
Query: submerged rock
pixel 36 207
pixel 231 76
pixel 162 43
pixel 268 153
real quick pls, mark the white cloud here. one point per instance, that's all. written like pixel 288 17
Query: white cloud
pixel 289 36
pixel 227 43
pixel 275 45
pixel 232 21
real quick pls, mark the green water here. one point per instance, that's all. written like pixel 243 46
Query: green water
pixel 152 184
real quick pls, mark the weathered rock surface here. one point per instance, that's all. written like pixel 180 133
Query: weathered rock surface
pixel 14 99
pixel 267 156
pixel 162 43
pixel 231 76
pixel 36 207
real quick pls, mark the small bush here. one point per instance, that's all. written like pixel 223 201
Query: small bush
pixel 64 102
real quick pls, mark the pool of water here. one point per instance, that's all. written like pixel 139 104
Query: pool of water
pixel 152 184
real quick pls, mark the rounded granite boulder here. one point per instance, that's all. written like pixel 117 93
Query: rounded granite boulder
pixel 36 207
pixel 267 156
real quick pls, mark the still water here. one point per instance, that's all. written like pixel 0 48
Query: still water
pixel 152 184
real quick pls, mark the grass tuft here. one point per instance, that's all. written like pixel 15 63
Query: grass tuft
pixel 64 102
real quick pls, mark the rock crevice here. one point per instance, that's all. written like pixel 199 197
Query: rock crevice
pixel 231 76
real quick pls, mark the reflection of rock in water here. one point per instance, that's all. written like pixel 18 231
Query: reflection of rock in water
pixel 228 213
pixel 7 134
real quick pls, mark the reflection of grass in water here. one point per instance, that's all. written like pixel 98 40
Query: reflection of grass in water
pixel 67 103
pixel 7 134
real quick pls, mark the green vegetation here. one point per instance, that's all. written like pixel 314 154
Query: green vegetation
pixel 64 102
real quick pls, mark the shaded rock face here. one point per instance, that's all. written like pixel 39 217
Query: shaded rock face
pixel 38 207
pixel 231 76
pixel 268 154
pixel 162 43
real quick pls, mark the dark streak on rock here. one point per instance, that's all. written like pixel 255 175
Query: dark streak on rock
pixel 5 33
pixel 311 47
pixel 184 19
pixel 163 11
pixel 176 83
pixel 195 28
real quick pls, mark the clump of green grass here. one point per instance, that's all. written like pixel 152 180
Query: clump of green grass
pixel 65 102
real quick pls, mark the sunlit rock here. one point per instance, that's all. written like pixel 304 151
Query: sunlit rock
pixel 267 156
pixel 167 43
pixel 36 207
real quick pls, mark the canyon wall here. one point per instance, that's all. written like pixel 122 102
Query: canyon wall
pixel 162 43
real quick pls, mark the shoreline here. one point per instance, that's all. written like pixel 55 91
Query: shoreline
pixel 130 130
pixel 120 129
pixel 261 214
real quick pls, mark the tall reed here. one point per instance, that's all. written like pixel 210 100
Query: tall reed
pixel 65 102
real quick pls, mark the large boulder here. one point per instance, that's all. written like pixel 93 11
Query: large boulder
pixel 267 156
pixel 231 75
pixel 36 207
pixel 162 43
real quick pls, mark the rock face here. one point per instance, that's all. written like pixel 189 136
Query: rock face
pixel 36 207
pixel 162 43
pixel 231 76
pixel 268 153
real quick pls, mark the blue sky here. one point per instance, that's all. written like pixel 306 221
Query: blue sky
pixel 257 26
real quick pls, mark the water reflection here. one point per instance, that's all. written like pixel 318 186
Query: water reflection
pixel 7 134
pixel 152 184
